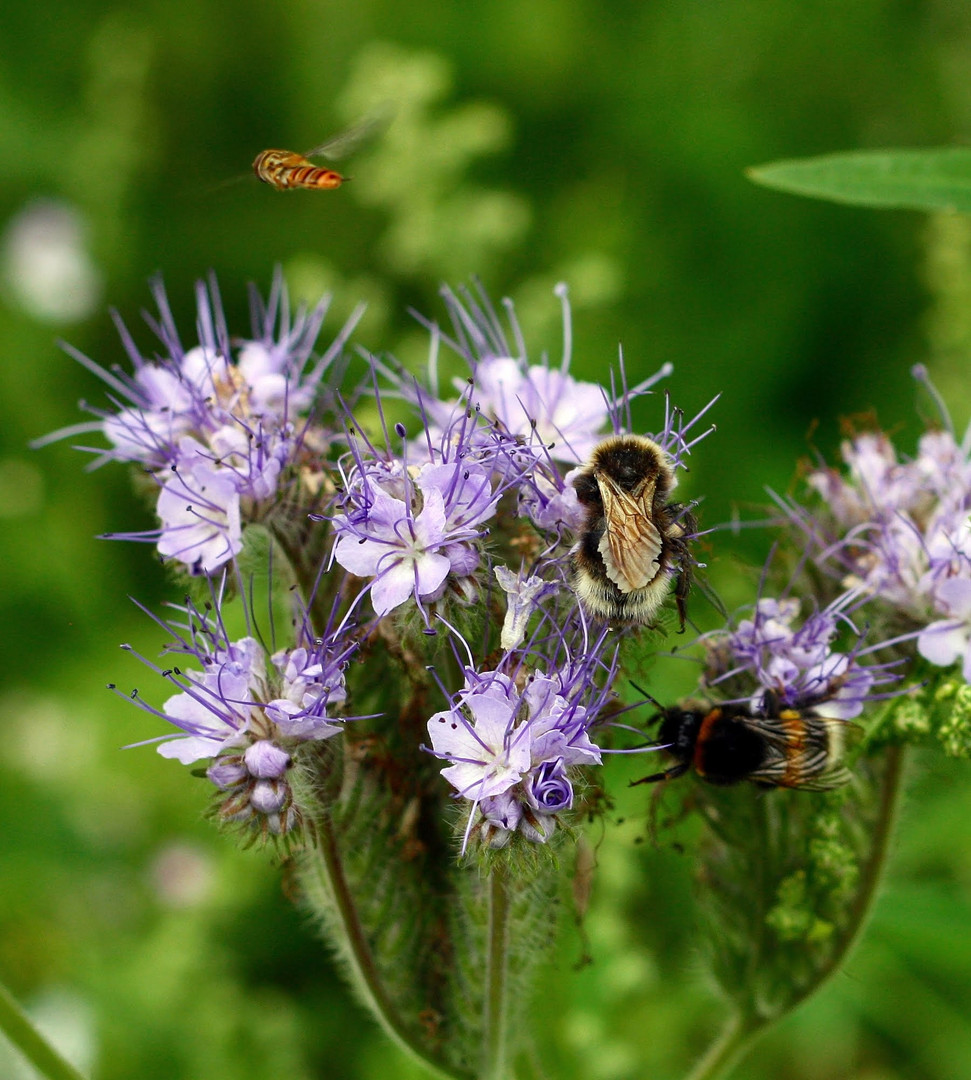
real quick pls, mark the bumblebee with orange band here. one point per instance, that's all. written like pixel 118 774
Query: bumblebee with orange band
pixel 728 743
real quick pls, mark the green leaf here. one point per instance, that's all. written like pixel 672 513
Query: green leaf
pixel 935 179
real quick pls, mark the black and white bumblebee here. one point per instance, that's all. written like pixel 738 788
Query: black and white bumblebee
pixel 633 542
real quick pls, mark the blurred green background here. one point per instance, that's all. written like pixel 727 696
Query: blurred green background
pixel 535 141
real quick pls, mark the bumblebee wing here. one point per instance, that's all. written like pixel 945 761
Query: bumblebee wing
pixel 806 752
pixel 631 544
pixel 346 142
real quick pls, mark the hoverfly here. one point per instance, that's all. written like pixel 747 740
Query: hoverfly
pixel 286 170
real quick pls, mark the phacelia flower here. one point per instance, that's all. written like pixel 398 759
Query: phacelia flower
pixel 899 529
pixel 248 717
pixel 413 535
pixel 220 434
pixel 773 655
pixel 514 735
pixel 510 748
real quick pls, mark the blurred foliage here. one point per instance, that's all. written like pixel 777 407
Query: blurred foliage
pixel 534 141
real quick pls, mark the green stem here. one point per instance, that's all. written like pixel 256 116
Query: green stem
pixel 726 1050
pixel 494 1020
pixel 744 1028
pixel 357 952
pixel 20 1030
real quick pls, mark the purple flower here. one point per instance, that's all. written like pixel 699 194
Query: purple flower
pixel 234 699
pixel 411 539
pixel 536 405
pixel 511 739
pixel 945 641
pixel 199 507
pixel 899 529
pixel 249 719
pixel 795 664
pixel 220 435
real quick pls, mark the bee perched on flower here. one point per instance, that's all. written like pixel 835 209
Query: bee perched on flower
pixel 633 541
pixel 789 695
pixel 776 747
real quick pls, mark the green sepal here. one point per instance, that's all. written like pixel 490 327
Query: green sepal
pixel 786 883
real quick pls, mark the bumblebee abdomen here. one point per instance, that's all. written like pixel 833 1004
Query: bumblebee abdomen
pixel 727 750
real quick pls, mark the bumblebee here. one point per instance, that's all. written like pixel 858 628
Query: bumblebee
pixel 728 743
pixel 633 541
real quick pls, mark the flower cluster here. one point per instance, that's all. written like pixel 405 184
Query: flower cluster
pixel 249 713
pixel 774 656
pixel 513 734
pixel 412 522
pixel 472 508
pixel 220 434
pixel 900 529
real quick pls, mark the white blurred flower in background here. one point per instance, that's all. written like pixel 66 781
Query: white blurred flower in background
pixel 46 267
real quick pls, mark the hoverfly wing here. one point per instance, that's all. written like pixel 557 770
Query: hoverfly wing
pixel 362 133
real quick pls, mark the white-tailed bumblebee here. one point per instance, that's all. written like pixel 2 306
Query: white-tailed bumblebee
pixel 633 541
pixel 728 743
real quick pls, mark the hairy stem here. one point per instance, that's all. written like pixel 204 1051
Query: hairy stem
pixel 325 863
pixel 494 1020
pixel 20 1030
pixel 725 1051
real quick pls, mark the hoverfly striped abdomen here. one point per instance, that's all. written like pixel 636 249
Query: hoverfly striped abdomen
pixel 285 170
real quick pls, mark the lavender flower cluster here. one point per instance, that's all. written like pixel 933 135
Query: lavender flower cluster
pixel 222 435
pixel 472 511
pixel 467 517
pixel 773 656
pixel 898 530
pixel 247 717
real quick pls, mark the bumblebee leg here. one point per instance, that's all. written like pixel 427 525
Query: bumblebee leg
pixel 686 525
pixel 669 774
pixel 682 586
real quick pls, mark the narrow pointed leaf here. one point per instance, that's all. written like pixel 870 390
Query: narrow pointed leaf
pixel 933 179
